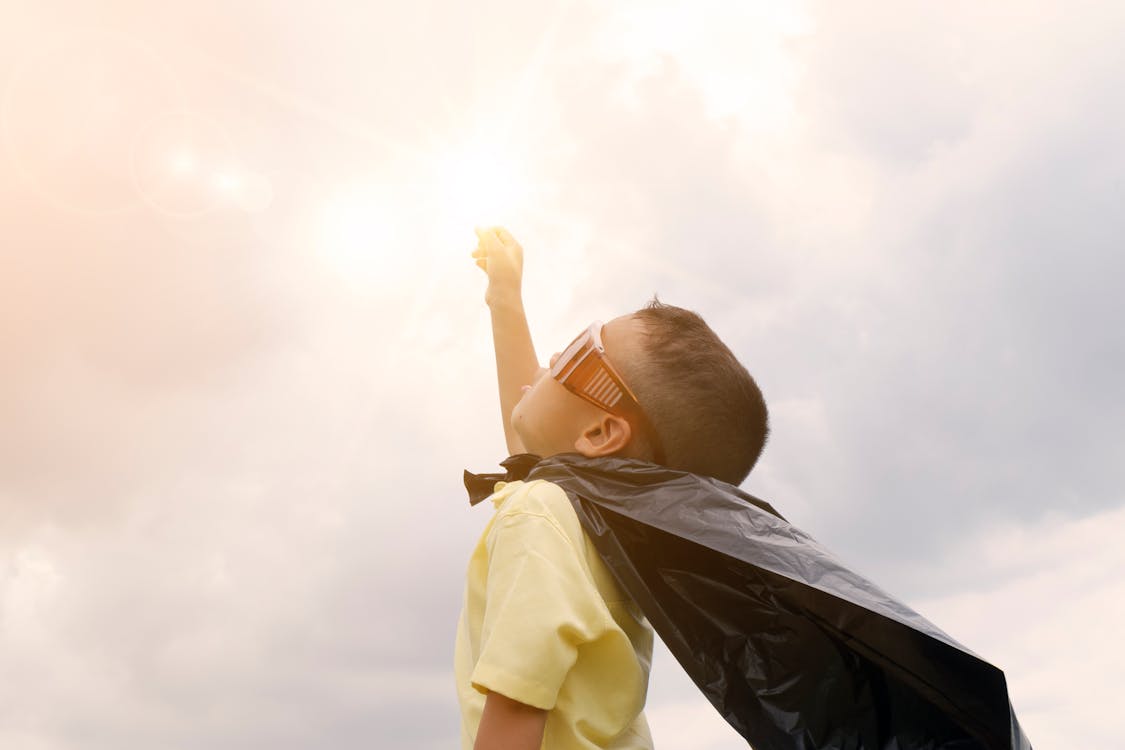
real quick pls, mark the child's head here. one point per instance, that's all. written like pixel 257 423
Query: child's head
pixel 698 405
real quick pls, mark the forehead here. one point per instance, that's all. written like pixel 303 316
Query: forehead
pixel 623 338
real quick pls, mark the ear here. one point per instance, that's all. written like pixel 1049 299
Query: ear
pixel 607 436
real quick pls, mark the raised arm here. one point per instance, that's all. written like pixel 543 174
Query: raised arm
pixel 501 257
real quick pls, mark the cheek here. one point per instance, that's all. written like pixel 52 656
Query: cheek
pixel 542 408
pixel 532 400
pixel 526 405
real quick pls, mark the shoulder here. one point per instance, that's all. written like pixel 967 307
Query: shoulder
pixel 536 496
pixel 537 517
pixel 537 501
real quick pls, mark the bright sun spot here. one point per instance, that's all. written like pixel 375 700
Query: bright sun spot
pixel 478 184
pixel 422 211
pixel 484 183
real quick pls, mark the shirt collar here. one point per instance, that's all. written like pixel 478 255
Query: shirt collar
pixel 481 486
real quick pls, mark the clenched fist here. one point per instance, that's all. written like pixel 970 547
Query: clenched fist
pixel 501 258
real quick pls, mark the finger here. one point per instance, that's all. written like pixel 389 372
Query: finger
pixel 483 265
pixel 505 236
pixel 488 238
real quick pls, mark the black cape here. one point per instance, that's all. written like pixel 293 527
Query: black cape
pixel 793 649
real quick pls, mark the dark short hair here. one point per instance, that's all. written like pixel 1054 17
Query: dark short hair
pixel 704 405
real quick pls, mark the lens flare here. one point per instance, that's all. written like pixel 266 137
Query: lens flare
pixel 180 164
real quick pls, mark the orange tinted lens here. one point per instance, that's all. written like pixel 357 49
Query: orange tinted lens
pixel 562 364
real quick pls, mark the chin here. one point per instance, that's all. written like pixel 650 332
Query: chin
pixel 527 441
pixel 531 446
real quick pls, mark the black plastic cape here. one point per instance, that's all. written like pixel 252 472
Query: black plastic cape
pixel 793 649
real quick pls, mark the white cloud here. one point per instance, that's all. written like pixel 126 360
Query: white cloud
pixel 736 54
pixel 678 714
pixel 1046 603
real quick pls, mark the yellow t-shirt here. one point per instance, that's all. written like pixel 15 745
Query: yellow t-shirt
pixel 545 623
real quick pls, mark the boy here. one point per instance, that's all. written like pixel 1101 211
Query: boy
pixel 550 652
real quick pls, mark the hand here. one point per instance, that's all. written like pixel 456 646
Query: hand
pixel 501 257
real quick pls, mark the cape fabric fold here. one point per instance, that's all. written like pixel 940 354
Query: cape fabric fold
pixel 793 649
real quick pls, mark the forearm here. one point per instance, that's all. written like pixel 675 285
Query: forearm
pixel 507 724
pixel 516 363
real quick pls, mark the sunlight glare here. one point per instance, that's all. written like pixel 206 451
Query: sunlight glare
pixel 478 185
pixel 381 233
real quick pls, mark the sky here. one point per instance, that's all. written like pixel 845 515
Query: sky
pixel 244 353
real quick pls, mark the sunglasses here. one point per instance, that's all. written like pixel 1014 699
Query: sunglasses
pixel 583 369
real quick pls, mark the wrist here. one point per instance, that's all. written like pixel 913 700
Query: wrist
pixel 504 300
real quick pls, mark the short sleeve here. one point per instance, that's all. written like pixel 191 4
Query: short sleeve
pixel 540 606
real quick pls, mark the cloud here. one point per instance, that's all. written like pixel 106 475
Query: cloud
pixel 1044 602
pixel 924 258
pixel 974 344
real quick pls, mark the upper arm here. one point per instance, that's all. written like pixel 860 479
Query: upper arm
pixel 507 724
